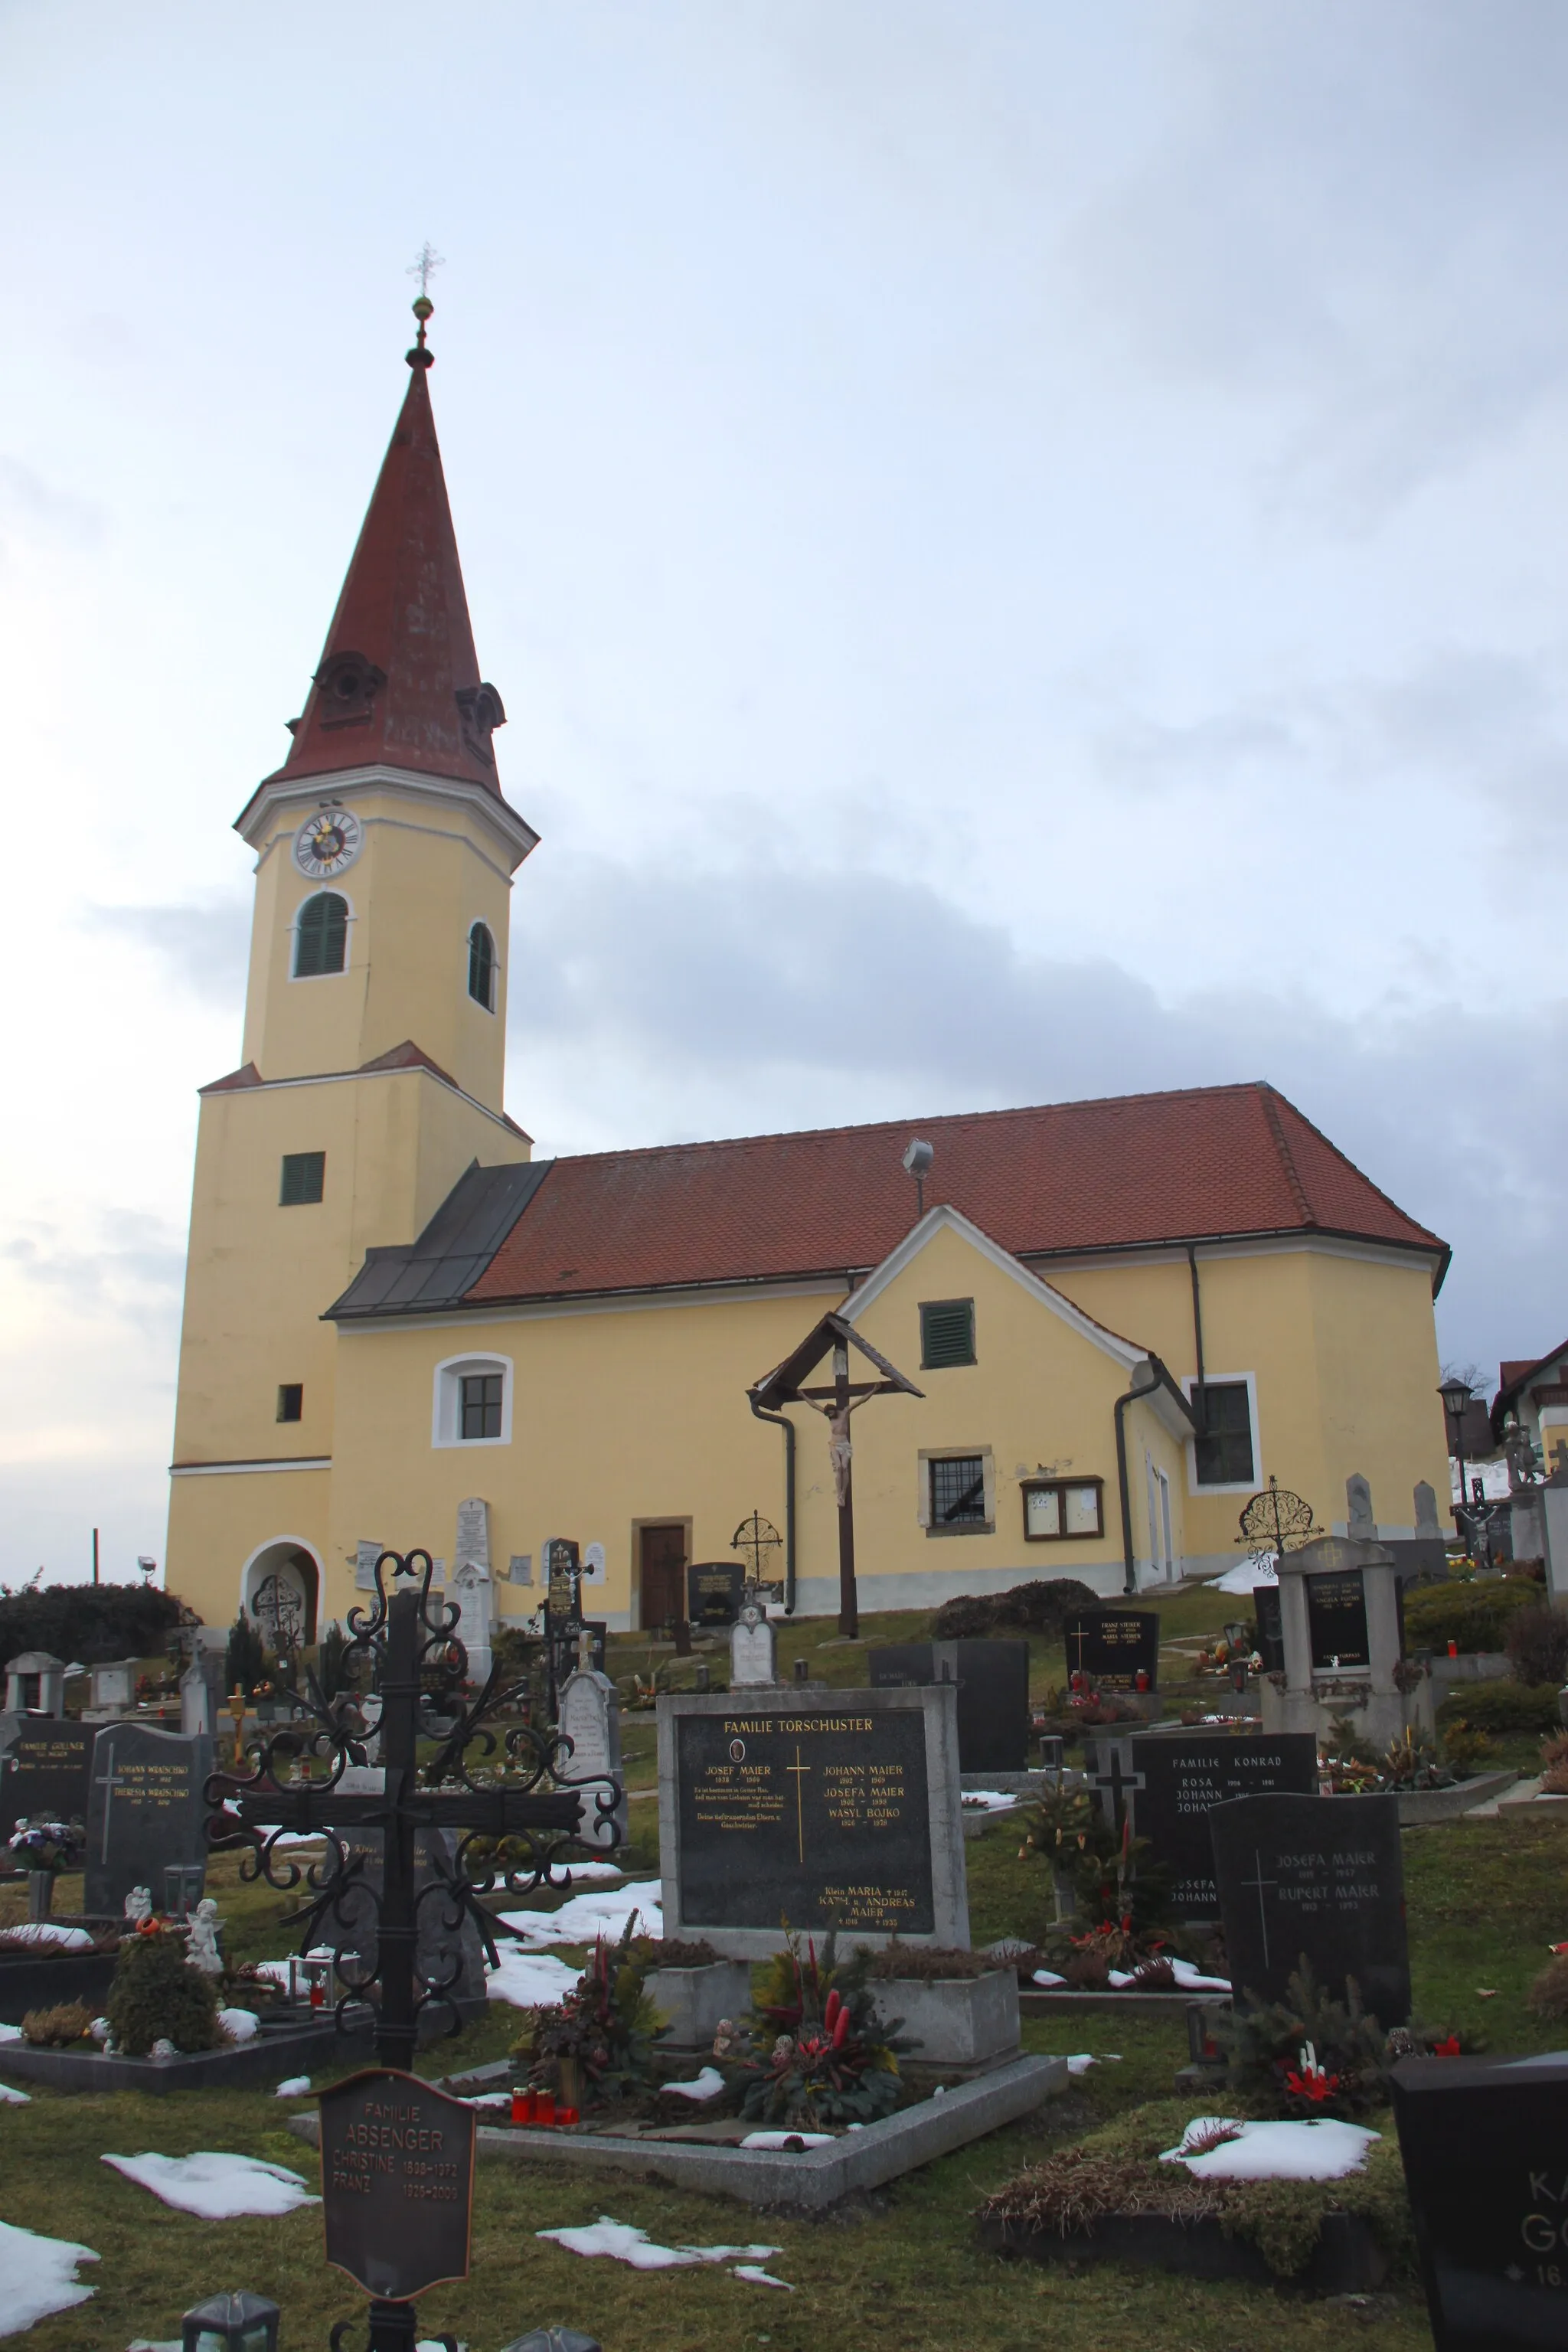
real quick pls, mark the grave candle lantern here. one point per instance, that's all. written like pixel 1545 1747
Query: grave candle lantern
pixel 231 2323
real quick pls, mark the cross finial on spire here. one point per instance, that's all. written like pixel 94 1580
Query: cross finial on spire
pixel 424 261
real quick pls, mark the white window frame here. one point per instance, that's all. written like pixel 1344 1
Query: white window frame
pixel 1233 1486
pixel 307 979
pixel 447 1399
pixel 930 1454
pixel 493 1009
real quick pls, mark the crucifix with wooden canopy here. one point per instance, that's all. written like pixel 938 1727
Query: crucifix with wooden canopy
pixel 835 1336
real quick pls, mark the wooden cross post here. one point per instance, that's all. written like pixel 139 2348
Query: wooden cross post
pixel 848 1598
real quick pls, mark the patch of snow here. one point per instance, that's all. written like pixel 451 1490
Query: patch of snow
pixel 595 1870
pixel 776 2139
pixel 8 2097
pixel 1325 2149
pixel 1047 1977
pixel 282 1837
pixel 10 2033
pixel 705 2085
pixel 529 1980
pixel 1081 2061
pixel 148 2344
pixel 760 2277
pixel 584 1917
pixel 1246 1574
pixel 217 2187
pixel 46 1931
pixel 622 2242
pixel 240 2024
pixel 488 2099
pixel 1496 1483
pixel 38 2276
pixel 294 2088
pixel 990 1801
pixel 1192 1980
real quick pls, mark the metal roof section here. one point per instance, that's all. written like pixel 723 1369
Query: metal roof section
pixel 453 1251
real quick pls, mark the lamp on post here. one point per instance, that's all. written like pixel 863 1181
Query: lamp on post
pixel 1456 1395
pixel 231 2323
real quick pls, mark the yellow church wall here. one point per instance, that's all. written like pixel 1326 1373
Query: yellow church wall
pixel 429 869
pixel 1377 1371
pixel 218 1523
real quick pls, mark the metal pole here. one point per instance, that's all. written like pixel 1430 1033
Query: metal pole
pixel 95 1555
pixel 849 1601
pixel 1459 1453
pixel 397 1933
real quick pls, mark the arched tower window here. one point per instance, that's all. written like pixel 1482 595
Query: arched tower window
pixel 482 967
pixel 322 936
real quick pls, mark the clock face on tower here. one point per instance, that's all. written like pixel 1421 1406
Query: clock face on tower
pixel 328 842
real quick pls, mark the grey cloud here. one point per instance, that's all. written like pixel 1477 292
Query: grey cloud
pixel 132 1274
pixel 204 946
pixel 36 513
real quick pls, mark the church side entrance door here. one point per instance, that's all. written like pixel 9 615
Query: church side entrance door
pixel 663 1577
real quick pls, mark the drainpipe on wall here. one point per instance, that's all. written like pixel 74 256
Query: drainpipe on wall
pixel 1140 1389
pixel 782 1421
pixel 1200 1393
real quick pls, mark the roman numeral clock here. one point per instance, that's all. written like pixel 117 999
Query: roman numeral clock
pixel 328 842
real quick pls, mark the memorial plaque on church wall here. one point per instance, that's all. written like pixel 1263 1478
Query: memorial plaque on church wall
pixel 146 1812
pixel 1182 1779
pixel 821 1810
pixel 1320 1878
pixel 1111 1648
pixel 993 1681
pixel 473 1532
pixel 1270 1621
pixel 714 1590
pixel 1485 2149
pixel 397 2183
pixel 1336 1621
pixel 45 1768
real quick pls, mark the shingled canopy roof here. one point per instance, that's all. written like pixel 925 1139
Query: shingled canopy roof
pixel 1067 1179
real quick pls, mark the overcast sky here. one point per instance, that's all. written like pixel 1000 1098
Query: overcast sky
pixel 1022 545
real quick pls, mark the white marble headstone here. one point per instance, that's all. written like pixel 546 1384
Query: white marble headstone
pixel 753 1649
pixel 474 1594
pixel 589 1714
pixel 473 1532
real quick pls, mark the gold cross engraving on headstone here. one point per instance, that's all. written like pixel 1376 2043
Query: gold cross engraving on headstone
pixel 798 1768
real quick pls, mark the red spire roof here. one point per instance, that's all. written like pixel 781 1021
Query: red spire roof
pixel 399 680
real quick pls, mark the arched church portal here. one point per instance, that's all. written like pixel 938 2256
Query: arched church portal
pixel 280 1591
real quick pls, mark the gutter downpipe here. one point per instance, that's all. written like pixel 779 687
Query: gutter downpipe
pixel 782 1421
pixel 1129 1565
pixel 1200 1392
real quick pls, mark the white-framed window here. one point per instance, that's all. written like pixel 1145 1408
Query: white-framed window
pixel 320 936
pixel 472 1405
pixel 957 1490
pixel 483 966
pixel 1228 1460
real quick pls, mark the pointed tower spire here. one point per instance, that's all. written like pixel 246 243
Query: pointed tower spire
pixel 398 683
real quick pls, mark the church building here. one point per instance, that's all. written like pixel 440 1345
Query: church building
pixel 1123 1318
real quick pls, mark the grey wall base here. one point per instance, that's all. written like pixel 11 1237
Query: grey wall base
pixel 775 2180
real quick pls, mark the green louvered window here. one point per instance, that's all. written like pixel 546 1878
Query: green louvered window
pixel 947 1333
pixel 482 967
pixel 304 1178
pixel 322 936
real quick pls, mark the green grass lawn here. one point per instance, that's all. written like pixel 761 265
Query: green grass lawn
pixel 897 2269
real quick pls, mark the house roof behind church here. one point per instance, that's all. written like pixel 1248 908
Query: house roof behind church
pixel 1062 1180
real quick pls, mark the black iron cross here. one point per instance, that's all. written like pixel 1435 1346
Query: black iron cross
pixel 1121 1781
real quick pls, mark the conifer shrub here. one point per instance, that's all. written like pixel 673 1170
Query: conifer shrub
pixel 155 1998
pixel 1043 1605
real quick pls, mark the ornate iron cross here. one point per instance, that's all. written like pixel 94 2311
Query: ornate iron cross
pixel 513 1825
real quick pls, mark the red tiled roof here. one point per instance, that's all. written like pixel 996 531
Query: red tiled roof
pixel 1134 1169
pixel 402 609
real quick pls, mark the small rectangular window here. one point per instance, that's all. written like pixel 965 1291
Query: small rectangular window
pixel 1058 1510
pixel 958 1490
pixel 482 1404
pixel 291 1401
pixel 947 1333
pixel 304 1178
pixel 1223 1453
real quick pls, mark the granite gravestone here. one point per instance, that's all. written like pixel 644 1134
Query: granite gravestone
pixel 1336 1621
pixel 1182 1779
pixel 1270 1618
pixel 1318 1879
pixel 811 1811
pixel 397 2183
pixel 714 1589
pixel 1485 2147
pixel 589 1714
pixel 1114 1649
pixel 45 1766
pixel 754 1650
pixel 146 1814
pixel 992 1683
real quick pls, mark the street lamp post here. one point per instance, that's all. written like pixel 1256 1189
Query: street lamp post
pixel 1456 1395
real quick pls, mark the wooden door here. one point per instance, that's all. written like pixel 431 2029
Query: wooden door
pixel 663 1562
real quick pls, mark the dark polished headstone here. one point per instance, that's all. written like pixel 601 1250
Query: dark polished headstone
pixel 1320 1877
pixel 1270 1620
pixel 714 1590
pixel 1485 2147
pixel 397 2183
pixel 1183 1776
pixel 146 1812
pixel 1336 1621
pixel 992 1680
pixel 1111 1647
pixel 44 1765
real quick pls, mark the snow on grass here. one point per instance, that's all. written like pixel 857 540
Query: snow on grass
pixel 791 2141
pixel 10 2033
pixel 47 1931
pixel 1047 1977
pixel 760 2277
pixel 1192 1980
pixel 990 1801
pixel 705 2085
pixel 38 2276
pixel 1325 2149
pixel 584 1917
pixel 294 2088
pixel 1246 1575
pixel 216 2187
pixel 626 2243
pixel 529 1980
pixel 10 2098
